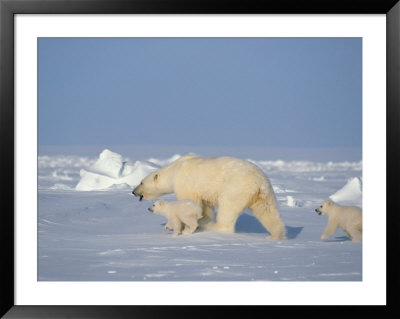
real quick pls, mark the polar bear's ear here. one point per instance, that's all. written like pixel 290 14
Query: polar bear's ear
pixel 155 177
pixel 330 203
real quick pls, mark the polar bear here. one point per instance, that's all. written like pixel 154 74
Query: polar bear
pixel 349 218
pixel 230 183
pixel 183 212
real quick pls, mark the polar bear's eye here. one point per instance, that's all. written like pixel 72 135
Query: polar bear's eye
pixel 320 206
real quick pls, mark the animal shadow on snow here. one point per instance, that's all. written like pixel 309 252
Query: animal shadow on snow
pixel 337 239
pixel 249 224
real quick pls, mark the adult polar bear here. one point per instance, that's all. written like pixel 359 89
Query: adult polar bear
pixel 230 183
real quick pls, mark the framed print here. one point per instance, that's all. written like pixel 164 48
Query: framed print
pixel 103 104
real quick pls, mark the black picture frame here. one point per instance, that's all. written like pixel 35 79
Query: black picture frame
pixel 8 8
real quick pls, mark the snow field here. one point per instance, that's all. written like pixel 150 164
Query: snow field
pixel 91 228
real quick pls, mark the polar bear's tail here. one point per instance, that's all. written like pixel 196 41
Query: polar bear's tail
pixel 265 209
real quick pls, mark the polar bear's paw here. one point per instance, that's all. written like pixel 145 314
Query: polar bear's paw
pixel 211 226
pixel 276 237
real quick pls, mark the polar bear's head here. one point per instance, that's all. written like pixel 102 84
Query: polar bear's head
pixel 160 181
pixel 158 207
pixel 154 185
pixel 324 208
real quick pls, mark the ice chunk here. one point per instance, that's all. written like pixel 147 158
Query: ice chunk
pixel 110 170
pixel 109 164
pixel 167 161
pixel 293 202
pixel 351 192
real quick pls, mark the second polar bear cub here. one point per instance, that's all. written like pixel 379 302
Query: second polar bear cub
pixel 183 212
pixel 349 218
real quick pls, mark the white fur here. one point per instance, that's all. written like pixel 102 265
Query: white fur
pixel 183 212
pixel 230 183
pixel 349 218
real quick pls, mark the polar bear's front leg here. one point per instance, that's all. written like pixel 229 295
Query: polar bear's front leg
pixel 167 227
pixel 226 220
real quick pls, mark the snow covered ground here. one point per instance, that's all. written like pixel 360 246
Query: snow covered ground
pixel 91 228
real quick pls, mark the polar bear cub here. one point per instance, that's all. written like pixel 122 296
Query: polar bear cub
pixel 349 218
pixel 182 212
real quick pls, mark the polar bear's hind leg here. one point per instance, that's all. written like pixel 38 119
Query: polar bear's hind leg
pixel 266 211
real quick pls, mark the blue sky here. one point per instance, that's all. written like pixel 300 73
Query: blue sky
pixel 282 92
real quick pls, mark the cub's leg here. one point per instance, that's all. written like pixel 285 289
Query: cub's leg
pixel 355 234
pixel 346 233
pixel 177 225
pixel 190 222
pixel 167 227
pixel 330 229
pixel 190 227
pixel 208 215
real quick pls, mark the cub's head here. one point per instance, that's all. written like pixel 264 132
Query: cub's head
pixel 323 209
pixel 158 207
pixel 153 185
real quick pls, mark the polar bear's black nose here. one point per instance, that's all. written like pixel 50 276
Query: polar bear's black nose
pixel 135 193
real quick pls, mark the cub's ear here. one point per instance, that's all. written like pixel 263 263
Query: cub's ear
pixel 330 203
pixel 155 177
